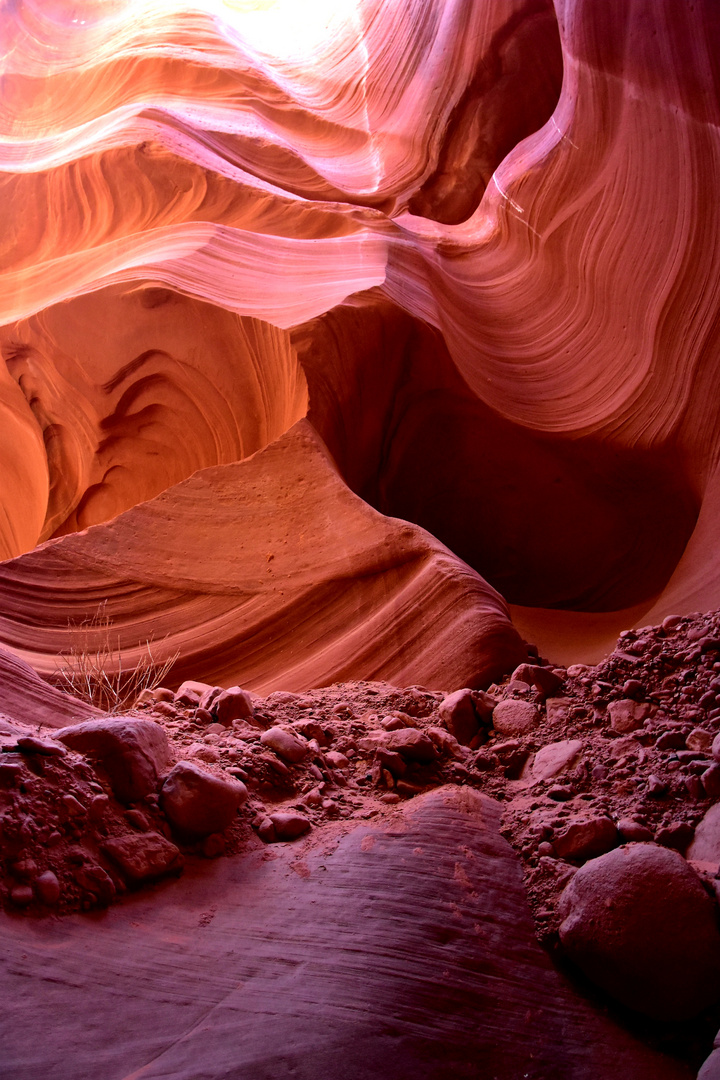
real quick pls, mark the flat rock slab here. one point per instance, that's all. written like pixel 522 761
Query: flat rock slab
pixel 402 950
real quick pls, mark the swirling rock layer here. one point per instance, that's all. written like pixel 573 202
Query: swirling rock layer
pixel 473 242
pixel 236 569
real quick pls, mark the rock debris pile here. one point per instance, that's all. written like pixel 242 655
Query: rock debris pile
pixel 607 774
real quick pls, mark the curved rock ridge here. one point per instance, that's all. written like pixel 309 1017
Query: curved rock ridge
pixel 522 187
pixel 268 573
pixel 28 699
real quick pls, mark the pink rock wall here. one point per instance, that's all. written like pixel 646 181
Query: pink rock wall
pixel 472 243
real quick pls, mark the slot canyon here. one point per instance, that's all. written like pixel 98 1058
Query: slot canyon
pixel 359 539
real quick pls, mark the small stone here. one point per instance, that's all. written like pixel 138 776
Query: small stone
pixel 137 819
pixel 25 869
pixel 73 806
pixel 232 704
pixel 514 717
pixel 21 895
pixel 313 799
pixel 337 760
pixel 586 838
pixel 47 888
pixel 554 758
pixel 716 748
pixel 412 744
pixel 694 788
pixel 632 832
pixel 96 881
pixel 545 849
pixel 545 681
pixel 392 761
pixel 161 693
pixel 633 688
pixel 671 740
pixel 98 807
pixel 711 781
pixel 392 723
pixel 144 856
pixel 408 790
pixel 390 797
pixel 705 847
pixel 676 836
pixel 560 793
pixel 266 830
pixel 278 766
pixel 214 846
pixel 199 803
pixel 31 744
pixel 671 622
pixel 656 787
pixel 190 693
pixel 289 826
pixel 312 730
pixel 288 746
pixel 458 714
pixel 700 740
pixel 628 715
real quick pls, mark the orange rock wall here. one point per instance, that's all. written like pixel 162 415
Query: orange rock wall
pixel 474 243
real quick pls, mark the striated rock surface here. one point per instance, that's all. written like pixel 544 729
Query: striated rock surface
pixel 419 222
pixel 242 570
pixel 345 341
pixel 277 952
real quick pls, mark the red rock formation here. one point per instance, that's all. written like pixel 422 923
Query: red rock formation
pixel 269 573
pixel 530 376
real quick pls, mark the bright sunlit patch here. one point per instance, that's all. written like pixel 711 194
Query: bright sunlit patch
pixel 287 29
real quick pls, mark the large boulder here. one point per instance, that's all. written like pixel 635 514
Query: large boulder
pixel 638 922
pixel 134 752
pixel 199 803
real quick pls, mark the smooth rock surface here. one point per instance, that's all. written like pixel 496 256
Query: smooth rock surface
pixel 260 968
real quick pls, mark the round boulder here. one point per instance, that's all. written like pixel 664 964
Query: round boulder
pixel 638 922
pixel 199 803
pixel 513 717
pixel 285 745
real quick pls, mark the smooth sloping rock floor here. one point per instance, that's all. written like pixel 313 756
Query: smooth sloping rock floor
pixel 399 950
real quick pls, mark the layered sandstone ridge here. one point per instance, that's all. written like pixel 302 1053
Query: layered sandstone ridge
pixel 471 242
